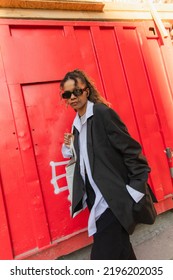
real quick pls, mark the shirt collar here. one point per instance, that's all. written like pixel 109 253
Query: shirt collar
pixel 89 112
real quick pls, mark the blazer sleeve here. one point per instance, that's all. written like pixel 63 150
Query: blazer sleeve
pixel 130 149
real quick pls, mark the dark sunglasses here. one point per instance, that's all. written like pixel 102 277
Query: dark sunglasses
pixel 76 92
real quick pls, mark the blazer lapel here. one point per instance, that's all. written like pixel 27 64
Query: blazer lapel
pixel 76 142
pixel 89 143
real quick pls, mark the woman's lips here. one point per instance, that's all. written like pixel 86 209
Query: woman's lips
pixel 73 103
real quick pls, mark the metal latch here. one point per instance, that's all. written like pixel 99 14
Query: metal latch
pixel 169 153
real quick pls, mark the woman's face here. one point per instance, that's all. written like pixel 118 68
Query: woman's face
pixel 78 103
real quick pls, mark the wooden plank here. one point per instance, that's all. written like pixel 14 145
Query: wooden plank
pixel 63 247
pixel 106 15
pixel 120 6
pixel 52 5
pixel 79 15
pixel 6 251
pixel 157 19
pixel 33 190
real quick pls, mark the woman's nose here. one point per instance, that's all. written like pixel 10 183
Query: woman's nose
pixel 73 96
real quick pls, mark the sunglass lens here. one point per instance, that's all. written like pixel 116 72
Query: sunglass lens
pixel 66 94
pixel 78 92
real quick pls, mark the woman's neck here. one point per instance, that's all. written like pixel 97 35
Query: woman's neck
pixel 82 110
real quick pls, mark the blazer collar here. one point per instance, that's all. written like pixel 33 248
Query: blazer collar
pixel 79 121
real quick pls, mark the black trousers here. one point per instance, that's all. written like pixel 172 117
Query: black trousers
pixel 111 241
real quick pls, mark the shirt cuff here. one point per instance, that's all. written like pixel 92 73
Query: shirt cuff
pixel 66 151
pixel 136 195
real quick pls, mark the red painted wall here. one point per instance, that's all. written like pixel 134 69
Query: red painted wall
pixel 131 67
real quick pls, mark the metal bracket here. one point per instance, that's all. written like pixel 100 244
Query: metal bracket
pixel 169 152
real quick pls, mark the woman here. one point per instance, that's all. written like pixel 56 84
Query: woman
pixel 110 171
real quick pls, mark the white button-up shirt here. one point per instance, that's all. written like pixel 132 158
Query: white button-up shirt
pixel 100 204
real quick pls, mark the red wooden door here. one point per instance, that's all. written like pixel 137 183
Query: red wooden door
pixel 139 87
pixel 129 70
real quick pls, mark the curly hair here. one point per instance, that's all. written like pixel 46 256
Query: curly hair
pixel 94 95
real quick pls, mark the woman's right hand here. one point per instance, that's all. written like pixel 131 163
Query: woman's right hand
pixel 67 139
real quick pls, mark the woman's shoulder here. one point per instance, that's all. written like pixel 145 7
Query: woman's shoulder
pixel 104 111
pixel 100 108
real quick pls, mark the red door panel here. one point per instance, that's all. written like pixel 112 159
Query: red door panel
pixel 144 109
pixel 161 89
pixel 111 69
pixel 48 119
pixel 27 53
pixel 14 190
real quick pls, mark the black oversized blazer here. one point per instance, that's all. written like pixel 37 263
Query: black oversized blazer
pixel 115 160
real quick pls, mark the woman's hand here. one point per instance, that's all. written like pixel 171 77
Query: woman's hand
pixel 67 139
